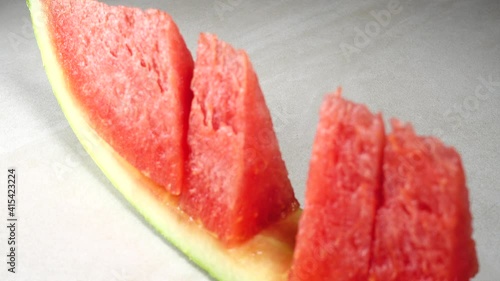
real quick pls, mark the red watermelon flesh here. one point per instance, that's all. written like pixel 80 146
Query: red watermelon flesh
pixel 335 231
pixel 237 183
pixel 423 228
pixel 130 71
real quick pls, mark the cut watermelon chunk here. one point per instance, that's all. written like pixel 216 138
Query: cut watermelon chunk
pixel 266 256
pixel 423 228
pixel 130 71
pixel 237 182
pixel 335 231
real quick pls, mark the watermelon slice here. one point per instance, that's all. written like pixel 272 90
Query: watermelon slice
pixel 335 231
pixel 423 228
pixel 237 183
pixel 130 72
pixel 377 208
pixel 266 256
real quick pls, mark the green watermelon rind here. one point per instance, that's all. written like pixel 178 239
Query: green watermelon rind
pixel 267 256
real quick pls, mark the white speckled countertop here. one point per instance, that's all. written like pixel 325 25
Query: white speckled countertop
pixel 434 63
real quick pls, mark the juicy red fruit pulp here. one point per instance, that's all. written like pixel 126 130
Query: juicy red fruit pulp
pixel 130 70
pixel 423 229
pixel 392 208
pixel 335 231
pixel 237 182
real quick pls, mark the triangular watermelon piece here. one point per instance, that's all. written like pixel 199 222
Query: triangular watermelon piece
pixel 237 183
pixel 423 228
pixel 380 208
pixel 345 177
pixel 130 71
